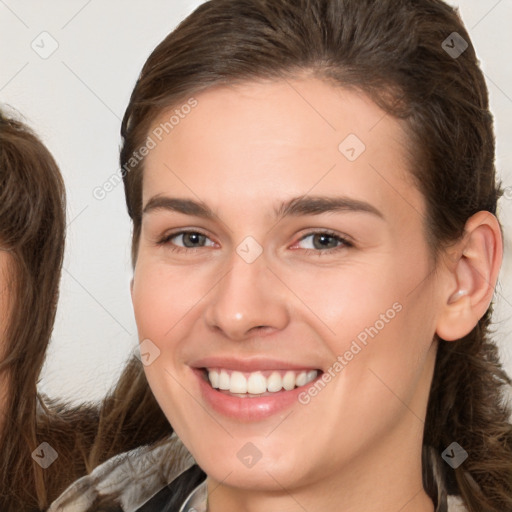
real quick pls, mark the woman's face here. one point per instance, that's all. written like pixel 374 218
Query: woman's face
pixel 282 246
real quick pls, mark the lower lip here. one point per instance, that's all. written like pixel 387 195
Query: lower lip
pixel 248 409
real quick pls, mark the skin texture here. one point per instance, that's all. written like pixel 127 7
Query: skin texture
pixel 242 151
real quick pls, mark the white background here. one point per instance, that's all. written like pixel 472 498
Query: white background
pixel 75 100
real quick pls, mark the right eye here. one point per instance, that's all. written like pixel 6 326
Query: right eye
pixel 185 240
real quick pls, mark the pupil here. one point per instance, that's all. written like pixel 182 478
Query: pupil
pixel 191 239
pixel 324 241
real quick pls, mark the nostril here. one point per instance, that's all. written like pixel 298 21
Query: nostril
pixel 262 329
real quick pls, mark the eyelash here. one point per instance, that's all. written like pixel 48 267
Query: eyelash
pixel 344 242
pixel 166 240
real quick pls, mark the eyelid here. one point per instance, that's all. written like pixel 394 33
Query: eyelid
pixel 165 239
pixel 345 239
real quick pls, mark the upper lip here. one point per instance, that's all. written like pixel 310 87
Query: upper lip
pixel 249 365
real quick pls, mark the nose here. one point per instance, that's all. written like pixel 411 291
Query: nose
pixel 249 300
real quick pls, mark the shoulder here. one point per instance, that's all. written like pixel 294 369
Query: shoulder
pixel 127 481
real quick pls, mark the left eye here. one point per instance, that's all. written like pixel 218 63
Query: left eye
pixel 322 241
pixel 188 240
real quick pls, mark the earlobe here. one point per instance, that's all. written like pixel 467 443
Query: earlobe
pixel 471 279
pixel 458 317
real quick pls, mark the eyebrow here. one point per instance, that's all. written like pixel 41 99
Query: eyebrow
pixel 297 206
pixel 316 205
pixel 185 206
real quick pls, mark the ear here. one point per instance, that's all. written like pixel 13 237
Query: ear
pixel 471 277
pixel 131 288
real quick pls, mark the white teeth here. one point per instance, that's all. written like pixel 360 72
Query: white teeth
pixel 289 381
pixel 257 384
pixel 301 379
pixel 311 375
pixel 238 383
pixel 274 382
pixel 214 378
pixel 224 380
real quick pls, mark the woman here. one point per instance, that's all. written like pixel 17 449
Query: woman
pixel 32 230
pixel 45 444
pixel 315 249
pixel 39 441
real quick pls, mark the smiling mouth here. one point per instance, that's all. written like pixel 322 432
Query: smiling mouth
pixel 257 384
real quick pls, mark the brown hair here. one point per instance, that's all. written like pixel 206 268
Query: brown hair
pixel 87 435
pixel 392 50
pixel 32 229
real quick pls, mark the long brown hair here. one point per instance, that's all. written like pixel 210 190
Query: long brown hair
pixel 32 230
pixel 393 51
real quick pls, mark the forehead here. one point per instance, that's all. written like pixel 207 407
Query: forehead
pixel 282 138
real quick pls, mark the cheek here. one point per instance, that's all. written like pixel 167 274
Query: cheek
pixel 163 302
pixel 376 320
pixel 163 298
pixel 383 357
pixel 344 302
